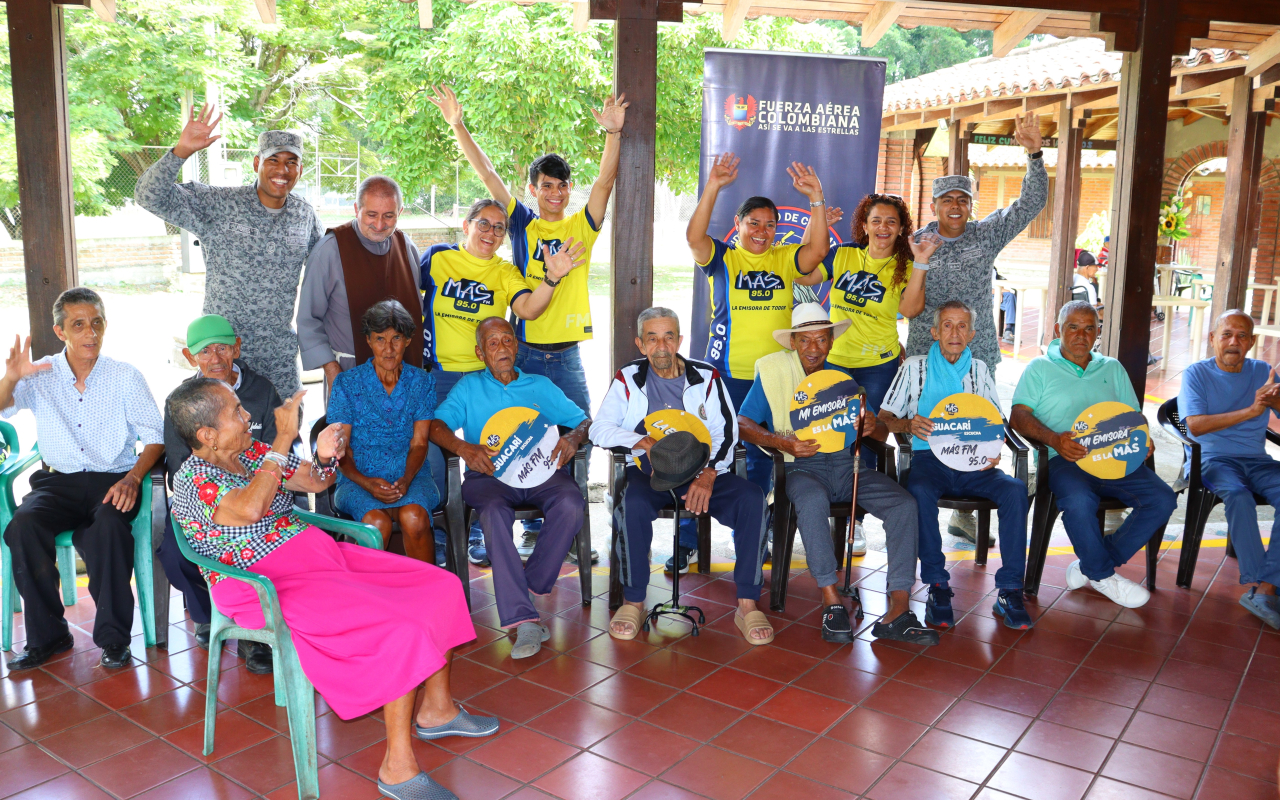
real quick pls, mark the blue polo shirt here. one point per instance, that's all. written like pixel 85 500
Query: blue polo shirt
pixel 478 396
pixel 1207 389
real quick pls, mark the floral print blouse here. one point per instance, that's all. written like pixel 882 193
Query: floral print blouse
pixel 198 489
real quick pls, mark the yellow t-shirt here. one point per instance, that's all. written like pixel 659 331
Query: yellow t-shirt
pixel 863 292
pixel 750 299
pixel 458 292
pixel 568 317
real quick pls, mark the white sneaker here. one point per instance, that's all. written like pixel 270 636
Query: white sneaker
pixel 528 540
pixel 1076 578
pixel 859 540
pixel 1122 591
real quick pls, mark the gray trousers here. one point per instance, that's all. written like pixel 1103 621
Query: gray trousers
pixel 814 483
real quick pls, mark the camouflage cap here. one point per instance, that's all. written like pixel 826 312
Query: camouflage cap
pixel 951 183
pixel 272 142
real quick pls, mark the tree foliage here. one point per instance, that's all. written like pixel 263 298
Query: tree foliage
pixel 917 51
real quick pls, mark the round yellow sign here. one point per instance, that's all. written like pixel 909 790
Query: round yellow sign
pixel 968 431
pixel 824 407
pixel 668 421
pixel 525 442
pixel 1116 436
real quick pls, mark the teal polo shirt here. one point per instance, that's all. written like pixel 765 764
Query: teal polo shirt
pixel 479 396
pixel 1056 390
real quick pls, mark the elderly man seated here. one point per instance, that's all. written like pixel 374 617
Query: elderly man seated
pixel 472 401
pixel 1226 402
pixel 664 380
pixel 1053 391
pixel 214 350
pixel 922 382
pixel 815 479
pixel 90 412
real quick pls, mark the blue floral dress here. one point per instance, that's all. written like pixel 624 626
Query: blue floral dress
pixel 381 431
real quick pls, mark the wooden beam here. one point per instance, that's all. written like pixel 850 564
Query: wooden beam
pixel 105 9
pixel 668 10
pixel 878 21
pixel 735 13
pixel 267 11
pixel 1136 199
pixel 581 16
pixel 1016 27
pixel 1263 55
pixel 957 150
pixel 635 73
pixel 424 15
pixel 967 112
pixel 1079 100
pixel 1239 223
pixel 38 59
pixel 1191 82
pixel 1266 99
pixel 1094 124
pixel 1066 215
pixel 1269 75
pixel 1001 106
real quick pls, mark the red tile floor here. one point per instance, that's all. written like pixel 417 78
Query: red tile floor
pixel 1178 699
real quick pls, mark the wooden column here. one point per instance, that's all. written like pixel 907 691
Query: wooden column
pixel 957 149
pixel 635 72
pixel 1135 202
pixel 1066 217
pixel 1239 224
pixel 38 54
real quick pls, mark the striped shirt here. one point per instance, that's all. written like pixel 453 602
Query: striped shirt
pixel 904 392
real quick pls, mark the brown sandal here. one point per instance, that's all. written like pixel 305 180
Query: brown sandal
pixel 753 621
pixel 627 614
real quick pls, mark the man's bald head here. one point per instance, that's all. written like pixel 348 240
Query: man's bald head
pixel 496 346
pixel 491 323
pixel 1240 316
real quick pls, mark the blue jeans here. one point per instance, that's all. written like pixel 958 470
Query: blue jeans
pixel 1235 479
pixel 445 381
pixel 930 479
pixel 1009 305
pixel 564 369
pixel 1078 493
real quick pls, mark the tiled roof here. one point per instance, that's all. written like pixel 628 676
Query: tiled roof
pixel 1056 64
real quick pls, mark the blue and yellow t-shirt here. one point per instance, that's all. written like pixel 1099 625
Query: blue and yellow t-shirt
pixel 568 317
pixel 458 292
pixel 750 299
pixel 863 293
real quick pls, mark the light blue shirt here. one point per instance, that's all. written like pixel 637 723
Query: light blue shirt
pixel 95 431
pixel 479 396
pixel 1207 389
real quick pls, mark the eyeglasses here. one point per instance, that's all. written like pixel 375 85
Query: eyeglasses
pixel 485 226
pixel 219 350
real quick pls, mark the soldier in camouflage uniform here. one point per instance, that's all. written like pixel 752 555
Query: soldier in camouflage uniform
pixel 255 238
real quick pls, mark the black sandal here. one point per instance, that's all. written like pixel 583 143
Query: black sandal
pixel 835 625
pixel 905 628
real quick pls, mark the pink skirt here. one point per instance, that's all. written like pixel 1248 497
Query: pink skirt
pixel 368 626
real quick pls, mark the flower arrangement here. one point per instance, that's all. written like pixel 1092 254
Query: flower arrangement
pixel 1173 220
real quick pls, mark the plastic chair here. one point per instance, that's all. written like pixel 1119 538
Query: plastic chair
pixel 1200 500
pixel 1045 511
pixel 149 582
pixel 293 690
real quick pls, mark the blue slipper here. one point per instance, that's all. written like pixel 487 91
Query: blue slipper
pixel 1261 606
pixel 465 724
pixel 419 787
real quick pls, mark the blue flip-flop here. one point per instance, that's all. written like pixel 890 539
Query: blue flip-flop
pixel 465 724
pixel 419 787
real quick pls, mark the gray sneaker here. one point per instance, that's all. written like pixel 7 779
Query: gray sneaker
pixel 963 525
pixel 572 556
pixel 528 540
pixel 859 540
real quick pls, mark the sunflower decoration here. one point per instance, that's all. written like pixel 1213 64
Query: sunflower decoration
pixel 1173 220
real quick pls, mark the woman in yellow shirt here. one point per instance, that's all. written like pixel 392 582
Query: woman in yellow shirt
pixel 878 275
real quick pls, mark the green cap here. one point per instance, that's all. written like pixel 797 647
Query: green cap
pixel 207 330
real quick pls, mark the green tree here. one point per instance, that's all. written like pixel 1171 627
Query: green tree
pixel 911 52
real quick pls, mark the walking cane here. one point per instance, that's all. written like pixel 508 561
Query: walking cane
pixel 848 590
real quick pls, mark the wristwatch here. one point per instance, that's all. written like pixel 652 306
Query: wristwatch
pixel 1037 154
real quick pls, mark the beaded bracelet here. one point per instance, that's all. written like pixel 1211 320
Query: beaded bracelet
pixel 326 471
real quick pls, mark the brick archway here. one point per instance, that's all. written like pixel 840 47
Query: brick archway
pixel 1266 258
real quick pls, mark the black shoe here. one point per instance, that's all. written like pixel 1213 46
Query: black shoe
pixel 202 635
pixel 687 554
pixel 257 656
pixel 905 628
pixel 937 609
pixel 116 656
pixel 33 657
pixel 835 625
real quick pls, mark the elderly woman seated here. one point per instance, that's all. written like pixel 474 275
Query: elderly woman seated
pixel 371 629
pixel 385 407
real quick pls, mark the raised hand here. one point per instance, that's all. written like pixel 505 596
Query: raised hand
pixel 805 181
pixel 18 365
pixel 1026 131
pixel 445 100
pixel 724 171
pixel 572 254
pixel 613 114
pixel 197 134
pixel 923 245
pixel 289 417
pixel 1265 397
pixel 834 215
pixel 331 443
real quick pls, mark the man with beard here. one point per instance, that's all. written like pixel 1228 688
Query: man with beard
pixel 355 265
pixel 255 240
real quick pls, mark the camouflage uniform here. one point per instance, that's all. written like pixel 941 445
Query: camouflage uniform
pixel 961 268
pixel 253 260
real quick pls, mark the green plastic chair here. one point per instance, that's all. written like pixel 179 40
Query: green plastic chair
pixel 143 547
pixel 293 690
